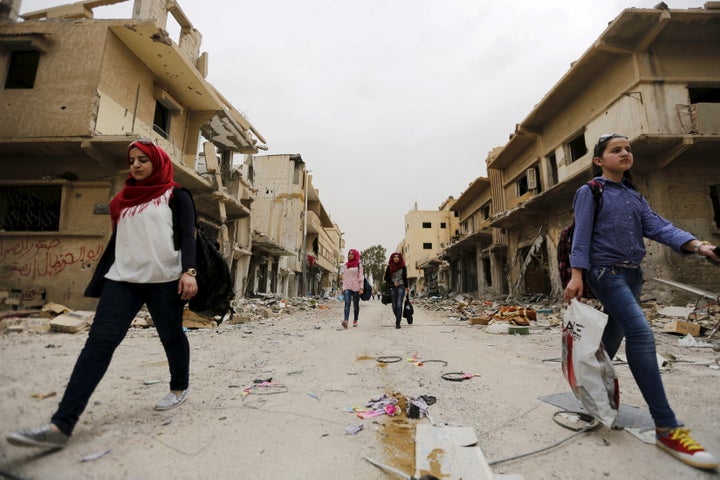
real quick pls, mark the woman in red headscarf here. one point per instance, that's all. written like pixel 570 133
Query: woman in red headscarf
pixel 352 285
pixel 139 267
pixel 396 278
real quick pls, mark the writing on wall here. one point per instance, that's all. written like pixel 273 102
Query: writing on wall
pixel 32 258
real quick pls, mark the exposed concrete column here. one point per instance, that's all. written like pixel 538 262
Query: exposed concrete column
pixel 189 43
pixel 9 10
pixel 154 10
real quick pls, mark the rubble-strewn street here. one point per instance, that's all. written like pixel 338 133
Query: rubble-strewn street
pixel 273 397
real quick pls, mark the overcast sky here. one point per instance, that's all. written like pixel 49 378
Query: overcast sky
pixel 391 103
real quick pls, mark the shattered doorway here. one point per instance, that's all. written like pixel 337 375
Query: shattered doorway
pixel 535 278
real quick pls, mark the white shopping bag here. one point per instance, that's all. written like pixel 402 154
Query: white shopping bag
pixel 585 363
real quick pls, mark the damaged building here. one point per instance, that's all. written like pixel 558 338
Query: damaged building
pixel 652 76
pixel 76 92
pixel 288 214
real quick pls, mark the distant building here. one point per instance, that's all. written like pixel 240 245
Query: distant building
pixel 427 233
pixel 288 212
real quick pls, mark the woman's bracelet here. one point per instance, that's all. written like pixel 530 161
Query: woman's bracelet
pixel 699 244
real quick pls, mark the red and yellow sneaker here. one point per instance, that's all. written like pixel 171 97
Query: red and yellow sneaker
pixel 678 443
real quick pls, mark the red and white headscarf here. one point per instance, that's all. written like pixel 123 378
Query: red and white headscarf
pixel 137 193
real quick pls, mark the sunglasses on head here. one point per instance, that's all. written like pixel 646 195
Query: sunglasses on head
pixel 608 136
pixel 143 141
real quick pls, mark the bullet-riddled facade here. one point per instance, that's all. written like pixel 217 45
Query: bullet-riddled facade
pixel 75 92
pixel 648 76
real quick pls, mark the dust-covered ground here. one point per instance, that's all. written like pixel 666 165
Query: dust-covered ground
pixel 298 428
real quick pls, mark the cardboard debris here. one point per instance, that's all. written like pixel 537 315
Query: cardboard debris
pixel 193 320
pixel 682 328
pixel 480 320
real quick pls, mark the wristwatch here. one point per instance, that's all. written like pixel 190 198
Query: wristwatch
pixel 191 271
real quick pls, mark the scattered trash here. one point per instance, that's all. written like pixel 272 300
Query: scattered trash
pixel 95 456
pixel 43 396
pixel 389 359
pixel 498 328
pixel 151 382
pixel 390 469
pixel 265 388
pixel 382 405
pixel 689 341
pixel 312 395
pixel 458 376
pixel 353 429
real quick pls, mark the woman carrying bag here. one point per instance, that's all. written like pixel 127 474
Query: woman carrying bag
pixel 396 278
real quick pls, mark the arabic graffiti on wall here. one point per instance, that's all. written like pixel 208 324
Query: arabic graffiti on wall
pixel 28 257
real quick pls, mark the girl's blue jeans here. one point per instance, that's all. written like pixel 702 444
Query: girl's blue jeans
pixel 119 303
pixel 353 297
pixel 398 295
pixel 618 288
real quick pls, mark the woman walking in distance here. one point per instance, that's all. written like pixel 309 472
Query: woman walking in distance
pixel 352 286
pixel 608 248
pixel 396 278
pixel 140 266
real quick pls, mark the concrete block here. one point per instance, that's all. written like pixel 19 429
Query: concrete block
pixel 71 322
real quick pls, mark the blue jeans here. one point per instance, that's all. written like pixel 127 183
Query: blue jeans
pixel 618 288
pixel 397 294
pixel 119 303
pixel 353 297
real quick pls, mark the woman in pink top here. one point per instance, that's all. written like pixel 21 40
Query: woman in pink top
pixel 352 286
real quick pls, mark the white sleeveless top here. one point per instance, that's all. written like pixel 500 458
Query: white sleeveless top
pixel 144 249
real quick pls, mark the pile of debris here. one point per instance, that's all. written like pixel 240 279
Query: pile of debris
pixel 58 318
pixel 698 319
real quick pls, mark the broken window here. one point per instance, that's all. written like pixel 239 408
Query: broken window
pixel 553 168
pixel 715 199
pixel 704 95
pixel 576 147
pixel 427 246
pixel 30 208
pixel 529 181
pixel 22 69
pixel 161 122
pixel 426 225
pixel 486 211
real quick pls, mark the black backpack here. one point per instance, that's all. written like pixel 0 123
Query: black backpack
pixel 215 286
pixel 565 243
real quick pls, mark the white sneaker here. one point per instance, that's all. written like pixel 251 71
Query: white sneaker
pixel 171 400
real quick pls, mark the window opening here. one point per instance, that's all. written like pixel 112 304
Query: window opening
pixel 427 246
pixel 22 69
pixel 426 225
pixel 30 208
pixel 486 211
pixel 704 95
pixel 577 147
pixel 161 122
pixel 552 164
